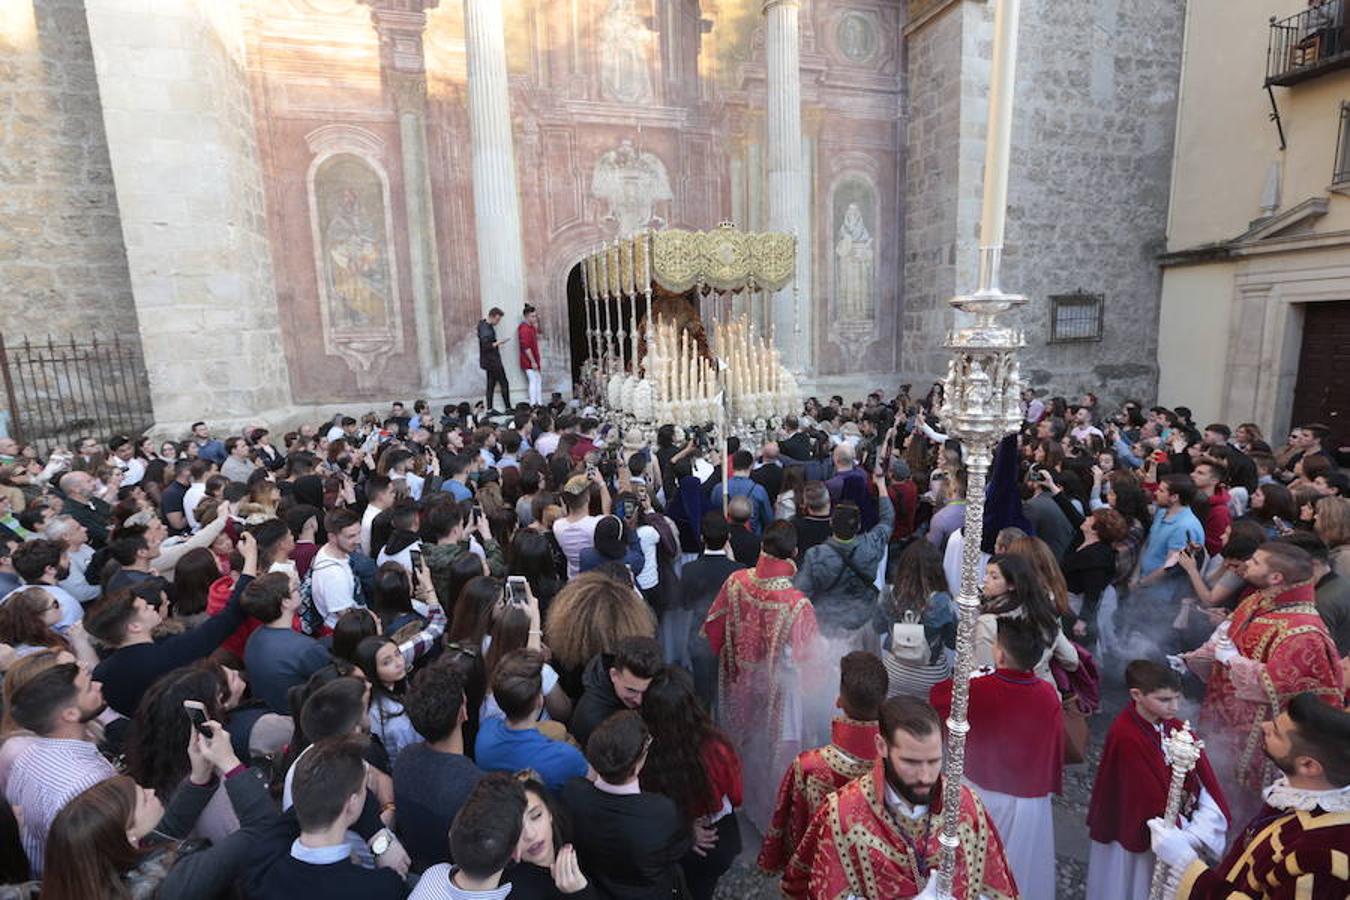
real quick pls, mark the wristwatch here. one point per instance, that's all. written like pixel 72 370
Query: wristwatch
pixel 381 842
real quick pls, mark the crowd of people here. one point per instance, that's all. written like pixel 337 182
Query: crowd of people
pixel 470 655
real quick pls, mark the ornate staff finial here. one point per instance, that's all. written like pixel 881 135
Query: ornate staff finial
pixel 1182 751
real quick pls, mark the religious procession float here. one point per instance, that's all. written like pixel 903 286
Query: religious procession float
pixel 673 334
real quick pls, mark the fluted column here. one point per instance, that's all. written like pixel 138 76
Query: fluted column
pixel 496 199
pixel 788 187
pixel 400 24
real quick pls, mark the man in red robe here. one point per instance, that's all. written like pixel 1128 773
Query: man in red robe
pixel 763 632
pixel 816 774
pixel 1015 751
pixel 1132 784
pixel 1298 845
pixel 877 837
pixel 1274 646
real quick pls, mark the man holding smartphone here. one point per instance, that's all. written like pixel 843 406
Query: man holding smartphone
pixel 490 357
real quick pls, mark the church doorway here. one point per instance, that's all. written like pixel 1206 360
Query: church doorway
pixel 576 323
pixel 1321 391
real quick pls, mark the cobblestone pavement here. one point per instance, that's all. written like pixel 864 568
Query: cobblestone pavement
pixel 744 882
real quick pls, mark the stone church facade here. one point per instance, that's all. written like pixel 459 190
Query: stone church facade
pixel 279 198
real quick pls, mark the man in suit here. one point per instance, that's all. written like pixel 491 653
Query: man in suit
pixel 699 583
pixel 796 444
pixel 490 357
pixel 633 840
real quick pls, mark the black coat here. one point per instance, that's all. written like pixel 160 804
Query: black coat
pixel 489 355
pixel 630 845
pixel 797 447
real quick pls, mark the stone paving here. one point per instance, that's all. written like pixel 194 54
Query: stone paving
pixel 745 882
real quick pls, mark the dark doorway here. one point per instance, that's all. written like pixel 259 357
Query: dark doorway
pixel 576 322
pixel 1322 391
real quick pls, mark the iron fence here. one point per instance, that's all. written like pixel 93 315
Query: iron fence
pixel 59 390
pixel 1307 43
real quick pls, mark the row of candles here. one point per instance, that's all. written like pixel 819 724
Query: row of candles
pixel 677 366
pixel 752 362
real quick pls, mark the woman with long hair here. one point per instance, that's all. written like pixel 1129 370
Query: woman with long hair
pixel 1125 496
pixel 191 588
pixel 392 600
pixel 387 664
pixel 790 502
pixel 1012 589
pixel 919 596
pixel 531 556
pixel 118 841
pixel 157 747
pixel 1273 509
pixel 27 623
pixel 1089 567
pixel 547 868
pixel 515 626
pixel 1331 523
pixel 590 615
pixel 694 764
pixel 472 615
pixel 1042 559
pixel 353 626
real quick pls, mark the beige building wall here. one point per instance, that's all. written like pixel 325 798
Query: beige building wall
pixel 1254 233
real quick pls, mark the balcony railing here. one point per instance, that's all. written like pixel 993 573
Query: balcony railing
pixel 1308 44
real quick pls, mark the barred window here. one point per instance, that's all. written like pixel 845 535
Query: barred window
pixel 1342 173
pixel 1076 317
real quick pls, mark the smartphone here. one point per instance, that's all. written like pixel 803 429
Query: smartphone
pixel 416 557
pixel 196 712
pixel 516 586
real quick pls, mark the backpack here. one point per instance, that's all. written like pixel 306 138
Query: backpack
pixel 909 641
pixel 311 620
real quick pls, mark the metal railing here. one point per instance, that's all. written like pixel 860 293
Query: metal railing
pixel 59 390
pixel 1307 44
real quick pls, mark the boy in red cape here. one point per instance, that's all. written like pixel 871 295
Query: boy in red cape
pixel 1131 788
pixel 816 774
pixel 1015 752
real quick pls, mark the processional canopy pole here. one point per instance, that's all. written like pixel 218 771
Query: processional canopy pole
pixel 982 402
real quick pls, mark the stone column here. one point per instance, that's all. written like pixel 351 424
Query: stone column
pixel 788 187
pixel 400 24
pixel 496 199
pixel 182 143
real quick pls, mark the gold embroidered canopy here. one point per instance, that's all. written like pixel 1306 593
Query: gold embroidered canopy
pixel 724 259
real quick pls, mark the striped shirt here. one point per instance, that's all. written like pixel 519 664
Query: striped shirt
pixel 47 775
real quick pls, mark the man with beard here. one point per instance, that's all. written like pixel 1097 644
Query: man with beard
pixel 1296 846
pixel 61 760
pixel 878 836
pixel 1271 648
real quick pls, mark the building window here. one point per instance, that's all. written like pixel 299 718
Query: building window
pixel 1342 173
pixel 1076 317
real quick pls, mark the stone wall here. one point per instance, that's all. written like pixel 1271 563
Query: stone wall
pixel 63 270
pixel 1093 128
pixel 1093 121
pixel 183 148
pixel 932 179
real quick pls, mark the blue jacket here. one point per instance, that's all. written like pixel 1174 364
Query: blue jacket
pixel 761 510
